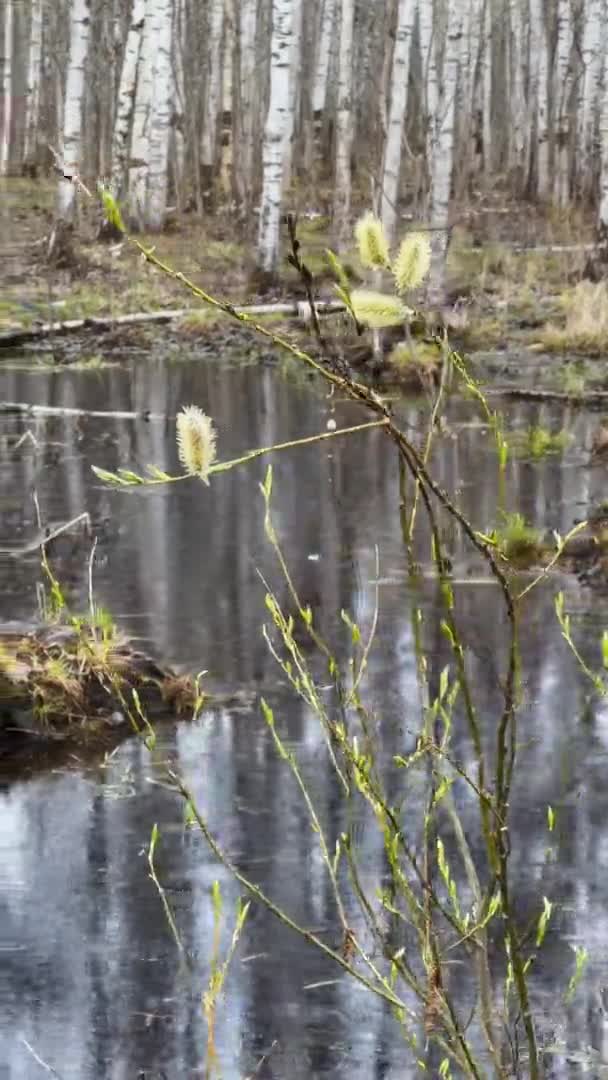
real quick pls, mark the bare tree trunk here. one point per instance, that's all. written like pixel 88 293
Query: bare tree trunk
pixel 34 75
pixel 429 78
pixel 277 126
pixel 248 25
pixel 517 54
pixel 539 76
pixel 344 128
pixel 443 155
pixel 213 99
pixel 160 131
pixel 561 101
pixel 126 99
pixel 603 128
pixel 295 68
pixel 179 104
pixel 7 88
pixel 592 50
pixel 142 120
pixel 73 108
pixel 319 92
pixel 396 120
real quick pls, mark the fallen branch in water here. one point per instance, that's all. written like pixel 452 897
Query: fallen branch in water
pixel 586 397
pixel 21 335
pixel 23 408
pixel 45 536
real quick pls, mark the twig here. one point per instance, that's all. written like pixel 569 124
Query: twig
pixel 264 1058
pixel 38 1059
pixel 257 892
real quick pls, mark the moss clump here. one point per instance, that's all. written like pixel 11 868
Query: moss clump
pixel 537 442
pixel 519 542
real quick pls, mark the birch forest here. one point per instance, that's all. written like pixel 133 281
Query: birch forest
pixel 408 107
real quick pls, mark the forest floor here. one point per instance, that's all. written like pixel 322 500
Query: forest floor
pixel 516 277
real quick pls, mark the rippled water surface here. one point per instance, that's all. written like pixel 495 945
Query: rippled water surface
pixel 91 983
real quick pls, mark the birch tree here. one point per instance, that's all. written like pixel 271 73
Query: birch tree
pixel 561 101
pixel 71 147
pixel 7 88
pixel 275 132
pixel 213 97
pixel 603 134
pixel 325 37
pixel 160 128
pixel 295 68
pixel 517 61
pixel 396 120
pixel 429 69
pixel 142 117
pixel 247 29
pixel 126 99
pixel 344 127
pixel 539 77
pixel 592 51
pixel 443 151
pixel 34 76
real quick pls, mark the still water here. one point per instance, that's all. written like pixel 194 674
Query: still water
pixel 91 984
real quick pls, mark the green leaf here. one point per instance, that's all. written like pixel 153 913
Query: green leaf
pixel 550 818
pixel 338 270
pixel 581 959
pixel 543 922
pixel 112 210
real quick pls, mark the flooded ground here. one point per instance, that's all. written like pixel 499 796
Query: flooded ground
pixel 91 983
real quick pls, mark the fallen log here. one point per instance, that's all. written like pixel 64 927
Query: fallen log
pixel 74 681
pixel 587 397
pixel 23 408
pixel 21 335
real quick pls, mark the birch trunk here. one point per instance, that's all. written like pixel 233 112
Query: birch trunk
pixel 248 25
pixel 126 99
pixel 326 33
pixel 160 128
pixel 142 119
pixel 517 141
pixel 486 82
pixel 73 107
pixel 603 134
pixel 179 104
pixel 469 64
pixel 227 100
pixel 539 76
pixel 443 156
pixel 396 119
pixel 593 43
pixel 7 88
pixel 34 75
pixel 344 127
pixel 268 247
pixel 430 81
pixel 295 67
pixel 213 97
pixel 561 100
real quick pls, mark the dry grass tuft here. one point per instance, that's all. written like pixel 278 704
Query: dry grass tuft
pixel 586 321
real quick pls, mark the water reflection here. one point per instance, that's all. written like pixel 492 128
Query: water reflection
pixel 91 981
